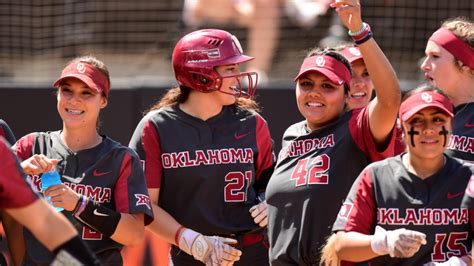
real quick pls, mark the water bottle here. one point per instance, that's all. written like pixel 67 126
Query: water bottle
pixel 49 179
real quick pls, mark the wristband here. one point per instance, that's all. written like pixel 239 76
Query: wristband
pixel 178 233
pixel 99 217
pixel 363 40
pixel 78 204
pixel 74 251
pixel 81 207
pixel 363 27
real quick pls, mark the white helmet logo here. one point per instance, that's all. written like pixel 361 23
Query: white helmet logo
pixel 320 61
pixel 81 68
pixel 237 44
pixel 426 97
pixel 354 51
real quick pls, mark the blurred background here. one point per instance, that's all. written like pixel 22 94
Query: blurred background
pixel 135 38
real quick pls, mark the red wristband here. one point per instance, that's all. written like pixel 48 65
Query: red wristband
pixel 178 233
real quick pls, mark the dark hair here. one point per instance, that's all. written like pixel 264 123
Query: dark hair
pixel 333 53
pixel 421 88
pixel 180 94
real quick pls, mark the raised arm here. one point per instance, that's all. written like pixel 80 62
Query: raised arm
pixel 384 108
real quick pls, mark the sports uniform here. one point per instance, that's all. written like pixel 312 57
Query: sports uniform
pixel 314 171
pixel 12 183
pixel 386 194
pixel 461 144
pixel 6 132
pixel 209 173
pixel 108 173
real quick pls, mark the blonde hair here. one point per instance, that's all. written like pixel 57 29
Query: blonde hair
pixel 462 27
pixel 328 253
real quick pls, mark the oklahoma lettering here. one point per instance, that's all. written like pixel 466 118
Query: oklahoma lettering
pixel 426 216
pixel 207 157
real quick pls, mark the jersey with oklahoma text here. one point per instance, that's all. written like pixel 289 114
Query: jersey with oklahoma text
pixel 386 194
pixel 12 181
pixel 109 173
pixel 314 172
pixel 208 172
pixel 461 144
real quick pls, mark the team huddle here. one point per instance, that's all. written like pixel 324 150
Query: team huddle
pixel 369 177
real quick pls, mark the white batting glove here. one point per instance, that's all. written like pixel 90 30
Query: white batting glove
pixel 259 213
pixel 400 243
pixel 453 261
pixel 211 250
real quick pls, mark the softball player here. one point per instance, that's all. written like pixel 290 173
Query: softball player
pixel 103 191
pixel 406 210
pixel 207 155
pixel 322 155
pixel 362 87
pixel 50 228
pixel 449 65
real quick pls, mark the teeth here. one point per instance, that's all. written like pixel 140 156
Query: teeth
pixel 77 112
pixel 358 94
pixel 312 104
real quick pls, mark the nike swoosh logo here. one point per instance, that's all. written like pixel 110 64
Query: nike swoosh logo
pixel 468 125
pixel 97 213
pixel 241 136
pixel 455 195
pixel 95 173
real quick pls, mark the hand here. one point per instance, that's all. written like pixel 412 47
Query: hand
pixel 211 250
pixel 453 261
pixel 62 196
pixel 349 12
pixel 259 213
pixel 38 164
pixel 399 243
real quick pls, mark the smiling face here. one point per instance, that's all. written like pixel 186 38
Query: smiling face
pixel 361 86
pixel 427 133
pixel 440 69
pixel 78 105
pixel 230 84
pixel 319 100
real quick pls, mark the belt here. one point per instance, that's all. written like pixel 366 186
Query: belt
pixel 250 238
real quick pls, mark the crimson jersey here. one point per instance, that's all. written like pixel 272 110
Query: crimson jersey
pixel 6 132
pixel 461 144
pixel 208 172
pixel 12 181
pixel 109 173
pixel 314 172
pixel 386 194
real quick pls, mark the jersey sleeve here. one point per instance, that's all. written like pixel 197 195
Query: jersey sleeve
pixel 358 212
pixel 146 142
pixel 266 157
pixel 15 191
pixel 7 133
pixel 23 148
pixel 468 199
pixel 360 132
pixel 131 194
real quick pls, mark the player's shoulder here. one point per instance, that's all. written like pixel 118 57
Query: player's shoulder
pixel 117 147
pixel 295 130
pixel 390 164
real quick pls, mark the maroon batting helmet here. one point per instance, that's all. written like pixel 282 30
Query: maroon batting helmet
pixel 196 55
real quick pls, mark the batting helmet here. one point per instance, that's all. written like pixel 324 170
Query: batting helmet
pixel 196 55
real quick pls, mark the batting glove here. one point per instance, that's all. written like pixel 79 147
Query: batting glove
pixel 400 243
pixel 211 250
pixel 259 213
pixel 453 261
